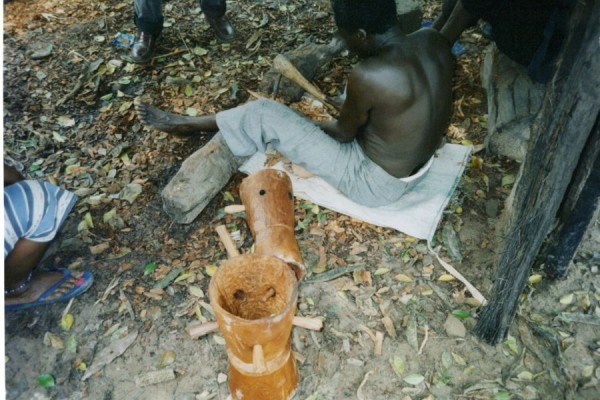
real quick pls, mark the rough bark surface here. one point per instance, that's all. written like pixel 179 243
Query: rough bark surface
pixel 513 102
pixel 569 112
pixel 199 179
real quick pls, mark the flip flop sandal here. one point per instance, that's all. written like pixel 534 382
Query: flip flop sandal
pixel 80 285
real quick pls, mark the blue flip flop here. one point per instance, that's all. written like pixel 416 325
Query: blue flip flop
pixel 82 284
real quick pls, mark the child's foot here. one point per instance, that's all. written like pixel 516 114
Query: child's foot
pixel 48 288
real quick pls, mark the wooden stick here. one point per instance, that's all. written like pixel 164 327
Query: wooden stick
pixel 234 208
pixel 313 324
pixel 378 342
pixel 258 359
pixel 196 331
pixel 287 69
pixel 225 238
pixel 452 271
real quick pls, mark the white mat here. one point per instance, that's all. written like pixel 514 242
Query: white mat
pixel 417 213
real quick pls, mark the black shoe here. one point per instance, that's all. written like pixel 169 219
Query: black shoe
pixel 223 29
pixel 143 47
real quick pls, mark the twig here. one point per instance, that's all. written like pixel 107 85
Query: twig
pixel 110 287
pixel 424 340
pixel 170 54
pixel 359 394
pixel 335 273
pixel 125 300
pixel 68 307
pixel 452 271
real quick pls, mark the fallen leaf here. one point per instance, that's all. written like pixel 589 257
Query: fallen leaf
pixel 167 359
pixel 511 343
pixel 99 248
pixel 461 314
pixel 58 137
pixel 446 278
pixel 65 121
pixel 414 379
pixel 149 268
pixel 535 278
pixel 50 339
pixel 567 299
pixel 403 278
pixel 211 269
pixel 45 380
pixel 196 291
pixel 131 192
pixel 109 353
pixel 398 365
pixel 66 321
pixel 71 344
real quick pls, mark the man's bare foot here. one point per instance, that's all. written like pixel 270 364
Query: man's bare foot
pixel 41 284
pixel 169 122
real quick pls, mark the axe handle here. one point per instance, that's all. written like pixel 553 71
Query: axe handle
pixel 287 69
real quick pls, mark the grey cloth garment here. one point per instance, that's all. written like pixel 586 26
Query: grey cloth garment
pixel 149 18
pixel 250 127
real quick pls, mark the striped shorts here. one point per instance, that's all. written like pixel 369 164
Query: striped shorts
pixel 35 211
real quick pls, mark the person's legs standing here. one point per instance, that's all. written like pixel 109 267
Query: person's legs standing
pixel 149 22
pixel 214 11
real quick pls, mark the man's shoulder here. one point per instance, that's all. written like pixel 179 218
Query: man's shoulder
pixel 379 70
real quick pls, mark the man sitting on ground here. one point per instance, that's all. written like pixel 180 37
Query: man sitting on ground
pixel 395 114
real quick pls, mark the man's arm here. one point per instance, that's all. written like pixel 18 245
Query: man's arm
pixel 354 113
pixel 11 175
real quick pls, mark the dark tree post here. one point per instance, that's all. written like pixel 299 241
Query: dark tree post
pixel 560 131
pixel 577 211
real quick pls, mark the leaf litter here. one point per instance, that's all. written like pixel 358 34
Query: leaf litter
pixel 152 275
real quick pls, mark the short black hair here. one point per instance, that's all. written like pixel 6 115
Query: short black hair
pixel 374 16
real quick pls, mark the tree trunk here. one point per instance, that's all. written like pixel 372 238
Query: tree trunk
pixel 568 114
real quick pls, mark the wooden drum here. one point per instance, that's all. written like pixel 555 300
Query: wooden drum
pixel 269 203
pixel 254 299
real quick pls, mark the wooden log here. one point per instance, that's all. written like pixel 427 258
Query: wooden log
pixel 569 112
pixel 309 58
pixel 201 176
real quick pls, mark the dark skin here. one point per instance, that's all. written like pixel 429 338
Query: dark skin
pixel 398 100
pixel 24 258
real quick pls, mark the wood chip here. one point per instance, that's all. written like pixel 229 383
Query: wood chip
pixel 389 326
pixel 154 377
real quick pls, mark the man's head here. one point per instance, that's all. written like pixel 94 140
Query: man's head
pixel 357 19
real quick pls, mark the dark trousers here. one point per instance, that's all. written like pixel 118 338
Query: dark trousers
pixel 149 18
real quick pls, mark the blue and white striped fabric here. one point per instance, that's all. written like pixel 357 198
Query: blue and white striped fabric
pixel 35 211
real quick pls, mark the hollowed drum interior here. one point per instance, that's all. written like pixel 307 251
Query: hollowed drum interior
pixel 254 287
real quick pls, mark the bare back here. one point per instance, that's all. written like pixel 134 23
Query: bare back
pixel 406 92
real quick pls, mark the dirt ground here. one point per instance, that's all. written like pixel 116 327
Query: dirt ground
pixel 151 275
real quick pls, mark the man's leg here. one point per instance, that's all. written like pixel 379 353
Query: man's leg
pixel 149 21
pixel 454 23
pixel 173 123
pixel 214 10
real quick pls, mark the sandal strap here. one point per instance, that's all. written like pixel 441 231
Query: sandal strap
pixel 66 276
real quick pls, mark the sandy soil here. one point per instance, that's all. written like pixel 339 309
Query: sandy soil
pixel 92 143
